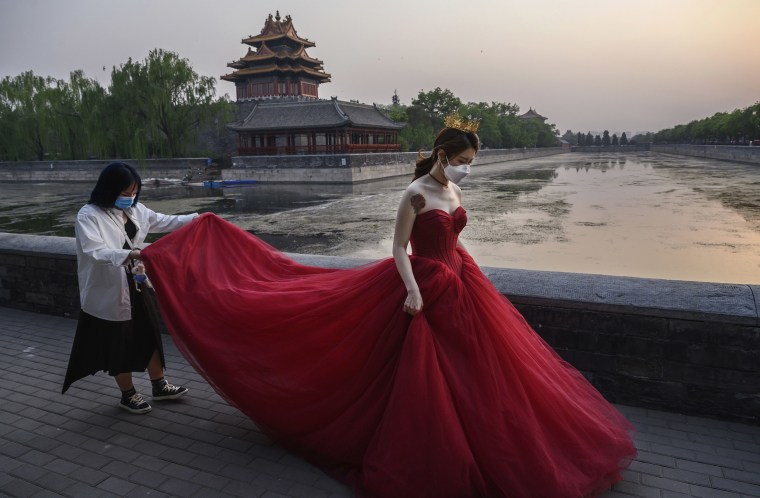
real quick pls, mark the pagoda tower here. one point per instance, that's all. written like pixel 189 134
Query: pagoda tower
pixel 279 109
pixel 277 64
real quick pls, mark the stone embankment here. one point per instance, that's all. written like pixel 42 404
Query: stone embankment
pixel 352 168
pixel 87 171
pixel 688 347
pixel 720 152
pixel 742 154
pixel 338 168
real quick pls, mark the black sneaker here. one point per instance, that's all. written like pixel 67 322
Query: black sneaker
pixel 135 404
pixel 168 391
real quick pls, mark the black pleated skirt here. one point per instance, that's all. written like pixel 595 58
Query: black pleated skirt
pixel 117 347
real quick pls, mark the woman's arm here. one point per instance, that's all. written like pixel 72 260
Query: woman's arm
pixel 162 223
pixel 403 231
pixel 90 238
pixel 458 193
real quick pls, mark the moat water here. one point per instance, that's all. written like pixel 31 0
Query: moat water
pixel 639 214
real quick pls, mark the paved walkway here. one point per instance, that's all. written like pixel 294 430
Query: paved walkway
pixel 81 444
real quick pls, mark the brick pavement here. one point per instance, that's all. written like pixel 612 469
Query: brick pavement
pixel 81 444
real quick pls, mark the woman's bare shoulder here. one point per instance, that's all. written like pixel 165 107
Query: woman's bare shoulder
pixel 415 196
pixel 457 190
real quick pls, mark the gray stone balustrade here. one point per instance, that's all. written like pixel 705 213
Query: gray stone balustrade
pixel 690 347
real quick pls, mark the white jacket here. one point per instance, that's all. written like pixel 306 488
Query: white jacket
pixel 100 236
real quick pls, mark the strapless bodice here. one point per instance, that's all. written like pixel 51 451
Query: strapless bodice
pixel 435 234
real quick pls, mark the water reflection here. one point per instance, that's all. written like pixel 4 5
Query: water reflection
pixel 640 214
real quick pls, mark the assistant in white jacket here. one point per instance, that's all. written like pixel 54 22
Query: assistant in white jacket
pixel 117 331
pixel 101 258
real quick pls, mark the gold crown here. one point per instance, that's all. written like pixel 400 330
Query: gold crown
pixel 461 124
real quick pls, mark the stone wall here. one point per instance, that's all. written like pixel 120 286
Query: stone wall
pixel 346 168
pixel 351 168
pixel 39 273
pixel 722 152
pixel 88 171
pixel 681 346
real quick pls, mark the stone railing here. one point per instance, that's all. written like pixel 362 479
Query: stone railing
pixel 683 346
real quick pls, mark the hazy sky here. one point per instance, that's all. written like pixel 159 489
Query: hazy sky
pixel 585 64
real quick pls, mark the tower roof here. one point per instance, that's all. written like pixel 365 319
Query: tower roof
pixel 264 53
pixel 277 51
pixel 298 114
pixel 531 114
pixel 279 69
pixel 277 29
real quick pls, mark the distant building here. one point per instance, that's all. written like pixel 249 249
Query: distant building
pixel 295 126
pixel 531 114
pixel 277 88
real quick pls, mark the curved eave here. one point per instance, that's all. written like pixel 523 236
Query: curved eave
pixel 244 73
pixel 263 57
pixel 341 124
pixel 255 40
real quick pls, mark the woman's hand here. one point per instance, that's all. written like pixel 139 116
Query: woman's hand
pixel 413 303
pixel 134 254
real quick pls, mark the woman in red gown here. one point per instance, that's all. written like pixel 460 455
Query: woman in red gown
pixel 408 377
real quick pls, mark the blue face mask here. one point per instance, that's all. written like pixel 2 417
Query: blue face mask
pixel 124 202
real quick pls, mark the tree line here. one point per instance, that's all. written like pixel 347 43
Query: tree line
pixel 602 140
pixel 156 107
pixel 152 108
pixel 500 125
pixel 738 127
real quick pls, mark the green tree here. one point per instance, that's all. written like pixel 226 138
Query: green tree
pixel 623 139
pixel 615 139
pixel 489 131
pixel 642 138
pixel 598 141
pixel 79 117
pixel 606 138
pixel 159 103
pixel 511 132
pixel 722 127
pixel 569 137
pixel 397 112
pixel 589 139
pixel 28 129
pixel 580 139
pixel 419 134
pixel 437 104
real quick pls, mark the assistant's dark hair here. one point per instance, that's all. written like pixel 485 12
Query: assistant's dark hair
pixel 452 142
pixel 112 181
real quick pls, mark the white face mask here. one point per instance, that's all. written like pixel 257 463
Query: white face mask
pixel 456 173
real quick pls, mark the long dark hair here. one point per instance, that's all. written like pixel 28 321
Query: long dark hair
pixel 452 142
pixel 112 181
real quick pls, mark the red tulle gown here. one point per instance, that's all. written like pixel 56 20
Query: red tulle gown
pixel 464 399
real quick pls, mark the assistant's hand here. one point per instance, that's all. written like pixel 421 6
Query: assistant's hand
pixel 413 303
pixel 134 254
